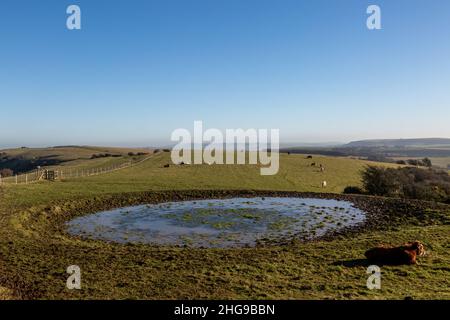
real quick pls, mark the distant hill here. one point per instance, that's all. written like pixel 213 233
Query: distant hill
pixel 396 143
pixel 25 159
pixel 386 150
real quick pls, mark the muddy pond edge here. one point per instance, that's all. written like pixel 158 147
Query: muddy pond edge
pixel 381 213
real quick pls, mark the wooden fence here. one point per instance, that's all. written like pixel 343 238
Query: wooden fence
pixel 61 173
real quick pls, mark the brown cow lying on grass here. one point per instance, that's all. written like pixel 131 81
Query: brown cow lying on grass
pixel 405 254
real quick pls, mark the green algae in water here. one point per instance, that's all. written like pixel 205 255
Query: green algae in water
pixel 219 223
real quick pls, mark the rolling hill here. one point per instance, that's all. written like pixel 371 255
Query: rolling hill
pixel 400 143
pixel 23 159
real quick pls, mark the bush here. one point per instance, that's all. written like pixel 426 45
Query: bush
pixel 413 162
pixel 103 155
pixel 409 182
pixel 425 162
pixel 6 172
pixel 353 190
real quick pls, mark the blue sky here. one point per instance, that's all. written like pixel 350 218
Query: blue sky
pixel 140 69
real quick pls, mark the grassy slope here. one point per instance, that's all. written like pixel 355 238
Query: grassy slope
pixel 70 156
pixel 38 257
pixel 295 174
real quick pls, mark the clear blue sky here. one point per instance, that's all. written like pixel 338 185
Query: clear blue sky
pixel 139 69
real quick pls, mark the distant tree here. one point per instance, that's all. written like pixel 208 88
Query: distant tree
pixel 401 162
pixel 103 155
pixel 427 162
pixel 414 162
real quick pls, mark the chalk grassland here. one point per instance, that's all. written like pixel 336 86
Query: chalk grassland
pixel 295 174
pixel 68 161
pixel 35 252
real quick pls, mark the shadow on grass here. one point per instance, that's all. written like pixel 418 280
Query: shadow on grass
pixel 352 263
pixel 364 263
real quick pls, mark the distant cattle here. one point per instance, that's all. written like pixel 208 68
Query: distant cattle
pixel 166 165
pixel 309 157
pixel 313 164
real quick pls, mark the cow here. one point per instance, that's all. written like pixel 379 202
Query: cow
pixel 404 254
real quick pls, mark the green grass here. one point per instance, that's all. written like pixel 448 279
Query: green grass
pixel 23 160
pixel 295 174
pixel 35 251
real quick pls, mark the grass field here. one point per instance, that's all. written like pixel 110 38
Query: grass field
pixel 295 174
pixel 23 160
pixel 35 251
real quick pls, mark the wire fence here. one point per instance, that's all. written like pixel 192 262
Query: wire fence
pixel 61 173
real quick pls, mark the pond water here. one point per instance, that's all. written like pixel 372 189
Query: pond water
pixel 220 223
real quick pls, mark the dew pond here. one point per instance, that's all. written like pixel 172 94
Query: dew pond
pixel 220 223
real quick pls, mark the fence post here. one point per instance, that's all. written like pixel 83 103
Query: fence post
pixel 26 178
pixel 16 178
pixel 0 179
